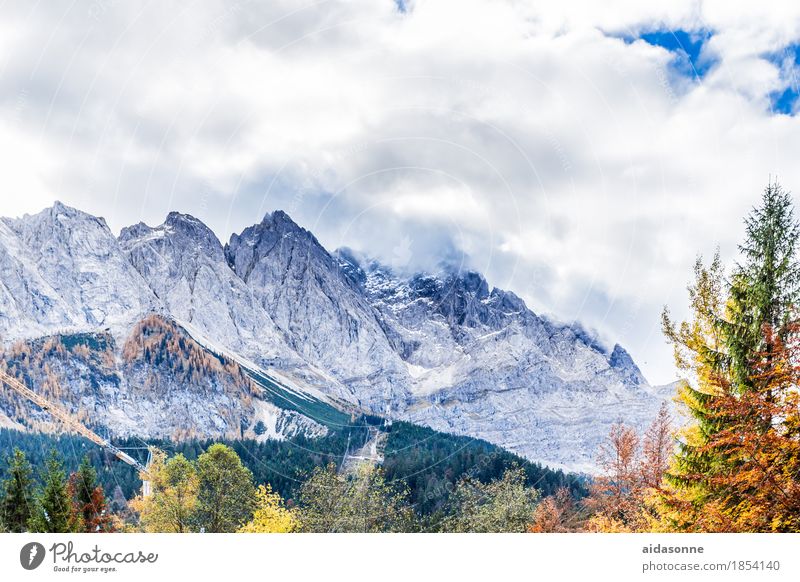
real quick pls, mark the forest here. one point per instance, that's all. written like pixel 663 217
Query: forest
pixel 729 463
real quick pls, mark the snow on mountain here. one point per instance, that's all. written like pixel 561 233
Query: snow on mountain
pixel 330 329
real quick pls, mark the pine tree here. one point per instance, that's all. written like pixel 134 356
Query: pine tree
pixel 53 513
pixel 16 497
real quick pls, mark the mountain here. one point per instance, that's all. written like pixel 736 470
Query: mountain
pixel 183 263
pixel 485 365
pixel 64 269
pixel 318 336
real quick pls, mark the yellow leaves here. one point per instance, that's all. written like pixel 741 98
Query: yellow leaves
pixel 271 514
pixel 606 524
pixel 170 506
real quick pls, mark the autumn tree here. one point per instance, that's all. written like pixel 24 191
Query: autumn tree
pixel 658 446
pixel 503 505
pixel 615 494
pixel 758 488
pixel 226 496
pixel 89 501
pixel 16 494
pixel 173 495
pixel 271 514
pixel 555 514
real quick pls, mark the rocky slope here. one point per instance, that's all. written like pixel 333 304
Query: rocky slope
pixel 159 384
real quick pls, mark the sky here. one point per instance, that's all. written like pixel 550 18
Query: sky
pixel 580 154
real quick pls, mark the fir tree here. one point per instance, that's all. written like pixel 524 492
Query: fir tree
pixel 16 497
pixel 765 285
pixel 53 513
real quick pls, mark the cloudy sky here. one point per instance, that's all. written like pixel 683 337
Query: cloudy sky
pixel 580 155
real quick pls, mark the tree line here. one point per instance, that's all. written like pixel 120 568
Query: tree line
pixel 216 493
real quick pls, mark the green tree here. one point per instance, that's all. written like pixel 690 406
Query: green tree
pixel 503 505
pixel 53 513
pixel 358 502
pixel 226 496
pixel 16 496
pixel 172 502
pixel 765 285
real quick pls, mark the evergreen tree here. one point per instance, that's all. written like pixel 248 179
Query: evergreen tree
pixel 736 333
pixel 16 496
pixel 53 513
pixel 226 494
pixel 700 353
pixel 765 285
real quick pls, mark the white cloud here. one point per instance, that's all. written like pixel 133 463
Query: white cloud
pixel 579 170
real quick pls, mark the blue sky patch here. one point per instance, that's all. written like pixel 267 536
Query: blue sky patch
pixel 784 101
pixel 687 48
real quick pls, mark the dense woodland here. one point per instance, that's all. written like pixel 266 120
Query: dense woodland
pixel 424 465
pixel 733 466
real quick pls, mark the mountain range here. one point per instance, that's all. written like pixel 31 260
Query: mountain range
pixel 167 332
